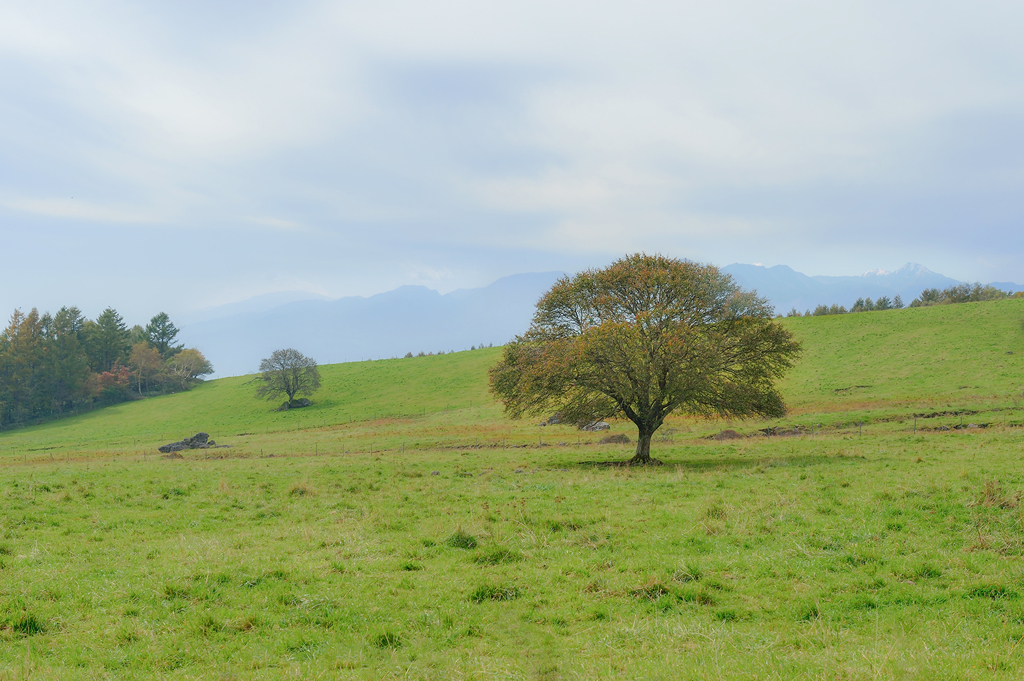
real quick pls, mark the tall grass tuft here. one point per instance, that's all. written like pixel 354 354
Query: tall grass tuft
pixel 27 624
pixel 387 639
pixel 492 592
pixel 461 540
pixel 498 556
pixel 993 496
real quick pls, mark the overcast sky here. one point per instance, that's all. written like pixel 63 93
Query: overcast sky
pixel 177 155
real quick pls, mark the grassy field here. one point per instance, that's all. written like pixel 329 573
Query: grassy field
pixel 401 528
pixel 939 358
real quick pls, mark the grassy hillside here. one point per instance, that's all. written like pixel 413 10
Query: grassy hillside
pixel 226 408
pixel 880 364
pixel 405 530
pixel 947 357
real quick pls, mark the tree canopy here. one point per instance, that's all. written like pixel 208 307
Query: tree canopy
pixel 287 372
pixel 161 334
pixel 187 366
pixel 643 338
pixel 51 364
pixel 107 340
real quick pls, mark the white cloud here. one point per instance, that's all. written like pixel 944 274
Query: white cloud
pixel 787 132
pixel 276 223
pixel 70 209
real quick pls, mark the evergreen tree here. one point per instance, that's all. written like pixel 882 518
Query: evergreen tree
pixel 137 334
pixel 161 334
pixel 21 347
pixel 66 366
pixel 107 341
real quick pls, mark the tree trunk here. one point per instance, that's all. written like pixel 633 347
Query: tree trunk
pixel 643 447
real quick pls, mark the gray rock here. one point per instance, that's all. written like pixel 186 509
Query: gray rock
pixel 295 404
pixel 197 441
pixel 595 426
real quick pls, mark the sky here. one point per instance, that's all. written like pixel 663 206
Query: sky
pixel 177 156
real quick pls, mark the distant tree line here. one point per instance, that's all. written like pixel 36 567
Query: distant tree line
pixel 961 293
pixel 54 364
pixel 862 305
pixel 442 352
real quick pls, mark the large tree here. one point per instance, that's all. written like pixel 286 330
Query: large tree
pixel 67 368
pixel 643 338
pixel 287 372
pixel 22 348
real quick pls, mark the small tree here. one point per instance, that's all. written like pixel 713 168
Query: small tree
pixel 187 366
pixel 287 372
pixel 643 338
pixel 145 363
pixel 114 385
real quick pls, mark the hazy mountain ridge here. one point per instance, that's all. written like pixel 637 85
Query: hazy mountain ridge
pixel 787 289
pixel 406 319
pixel 237 336
pixel 261 303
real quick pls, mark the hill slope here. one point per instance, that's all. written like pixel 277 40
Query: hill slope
pixel 942 357
pixel 355 391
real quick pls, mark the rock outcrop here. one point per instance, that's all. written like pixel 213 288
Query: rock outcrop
pixel 197 441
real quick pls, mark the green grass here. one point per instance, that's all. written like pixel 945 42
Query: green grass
pixel 390 537
pixel 883 366
pixel 433 386
pixel 945 356
pixel 825 556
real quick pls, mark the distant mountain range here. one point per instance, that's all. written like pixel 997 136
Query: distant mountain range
pixel 408 319
pixel 235 337
pixel 788 289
